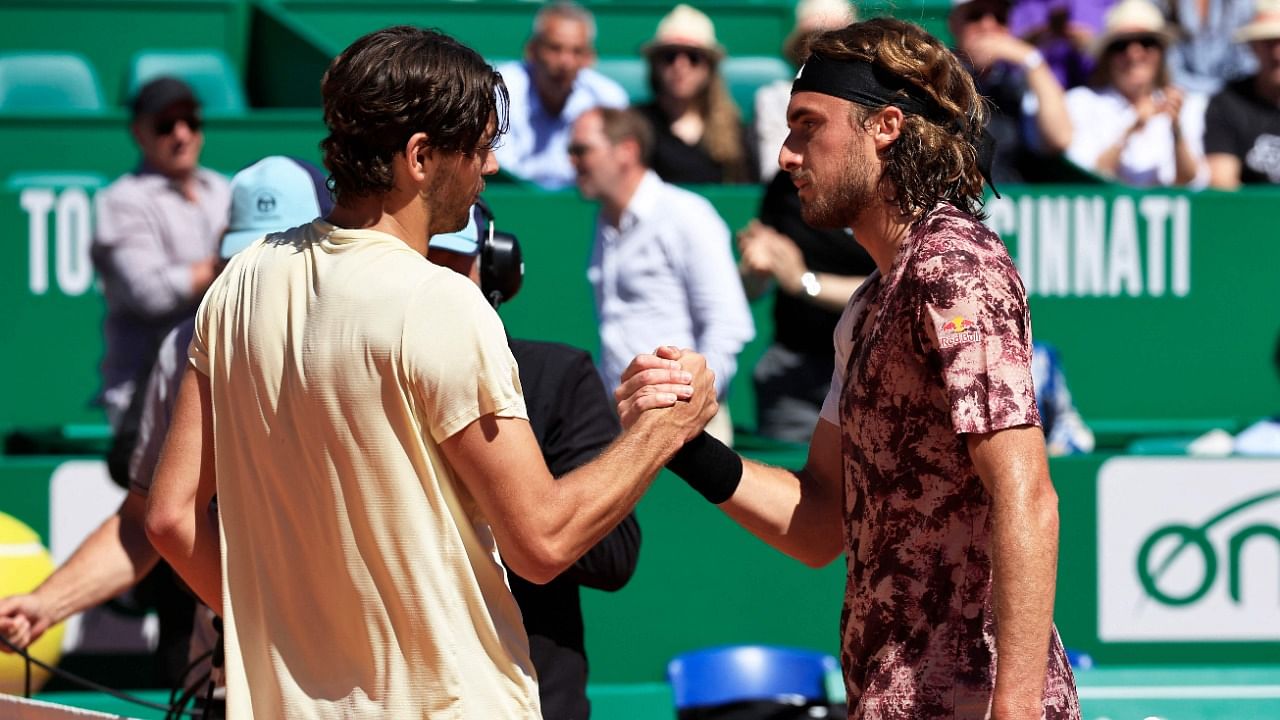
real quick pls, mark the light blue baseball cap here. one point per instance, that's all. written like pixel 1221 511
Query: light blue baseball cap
pixel 465 241
pixel 273 194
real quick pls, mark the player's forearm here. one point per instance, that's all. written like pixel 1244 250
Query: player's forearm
pixel 790 511
pixel 1025 553
pixel 583 506
pixel 189 543
pixel 110 560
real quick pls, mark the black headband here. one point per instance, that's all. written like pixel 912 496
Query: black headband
pixel 872 85
pixel 866 84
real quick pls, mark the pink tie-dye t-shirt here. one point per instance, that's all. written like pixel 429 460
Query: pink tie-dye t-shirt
pixel 938 348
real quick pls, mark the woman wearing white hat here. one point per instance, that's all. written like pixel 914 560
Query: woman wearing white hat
pixel 1142 130
pixel 698 130
pixel 1242 124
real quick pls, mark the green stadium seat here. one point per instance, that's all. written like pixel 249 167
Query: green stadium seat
pixel 209 73
pixel 632 73
pixel 48 81
pixel 746 73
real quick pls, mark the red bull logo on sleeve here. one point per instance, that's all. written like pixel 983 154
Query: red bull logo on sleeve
pixel 957 331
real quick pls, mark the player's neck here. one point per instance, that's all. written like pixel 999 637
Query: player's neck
pixel 406 221
pixel 880 229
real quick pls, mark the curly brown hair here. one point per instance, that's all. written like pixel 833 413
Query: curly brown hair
pixel 393 83
pixel 930 161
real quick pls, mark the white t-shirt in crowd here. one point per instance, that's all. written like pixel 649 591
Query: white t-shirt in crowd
pixel 1100 119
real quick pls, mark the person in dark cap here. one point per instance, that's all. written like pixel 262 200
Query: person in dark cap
pixel 154 247
pixel 155 250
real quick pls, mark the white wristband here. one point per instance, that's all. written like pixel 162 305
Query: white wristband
pixel 1033 60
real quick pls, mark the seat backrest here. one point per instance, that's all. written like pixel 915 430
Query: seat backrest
pixel 745 74
pixel 736 673
pixel 632 73
pixel 209 73
pixel 48 81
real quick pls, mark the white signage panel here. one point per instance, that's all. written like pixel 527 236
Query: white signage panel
pixel 1189 550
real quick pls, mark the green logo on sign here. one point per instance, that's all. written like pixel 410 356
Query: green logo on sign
pixel 1198 538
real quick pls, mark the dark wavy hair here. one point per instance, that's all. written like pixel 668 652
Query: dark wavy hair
pixel 930 161
pixel 393 83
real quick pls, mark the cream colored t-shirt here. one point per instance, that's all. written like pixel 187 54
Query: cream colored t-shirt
pixel 360 579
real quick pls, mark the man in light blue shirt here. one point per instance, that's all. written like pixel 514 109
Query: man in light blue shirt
pixel 549 89
pixel 661 266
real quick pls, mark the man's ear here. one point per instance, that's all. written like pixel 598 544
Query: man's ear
pixel 135 129
pixel 419 156
pixel 631 147
pixel 886 126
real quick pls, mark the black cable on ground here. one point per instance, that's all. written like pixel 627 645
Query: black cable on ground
pixel 86 683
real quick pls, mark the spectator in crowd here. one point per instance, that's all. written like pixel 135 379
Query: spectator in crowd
pixel 573 420
pixel 335 375
pixel 1063 31
pixel 549 89
pixel 272 194
pixel 1242 124
pixel 1064 430
pixel 698 130
pixel 1029 117
pixel 814 272
pixel 1204 54
pixel 661 267
pixel 1142 129
pixel 155 248
pixel 812 17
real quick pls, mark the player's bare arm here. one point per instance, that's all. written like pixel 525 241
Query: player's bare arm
pixel 544 525
pixel 179 522
pixel 1024 507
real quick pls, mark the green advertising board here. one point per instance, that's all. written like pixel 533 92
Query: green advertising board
pixel 1162 561
pixel 1157 300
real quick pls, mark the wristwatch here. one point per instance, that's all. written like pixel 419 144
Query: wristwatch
pixel 810 283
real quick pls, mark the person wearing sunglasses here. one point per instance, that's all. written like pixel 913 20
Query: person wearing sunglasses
pixel 1143 130
pixel 699 135
pixel 155 245
pixel 1029 117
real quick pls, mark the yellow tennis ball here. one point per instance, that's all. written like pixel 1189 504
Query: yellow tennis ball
pixel 24 564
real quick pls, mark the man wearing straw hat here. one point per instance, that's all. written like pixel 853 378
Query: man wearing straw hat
pixel 1242 124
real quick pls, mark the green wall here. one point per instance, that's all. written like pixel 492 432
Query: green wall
pixel 702 580
pixel 1159 302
